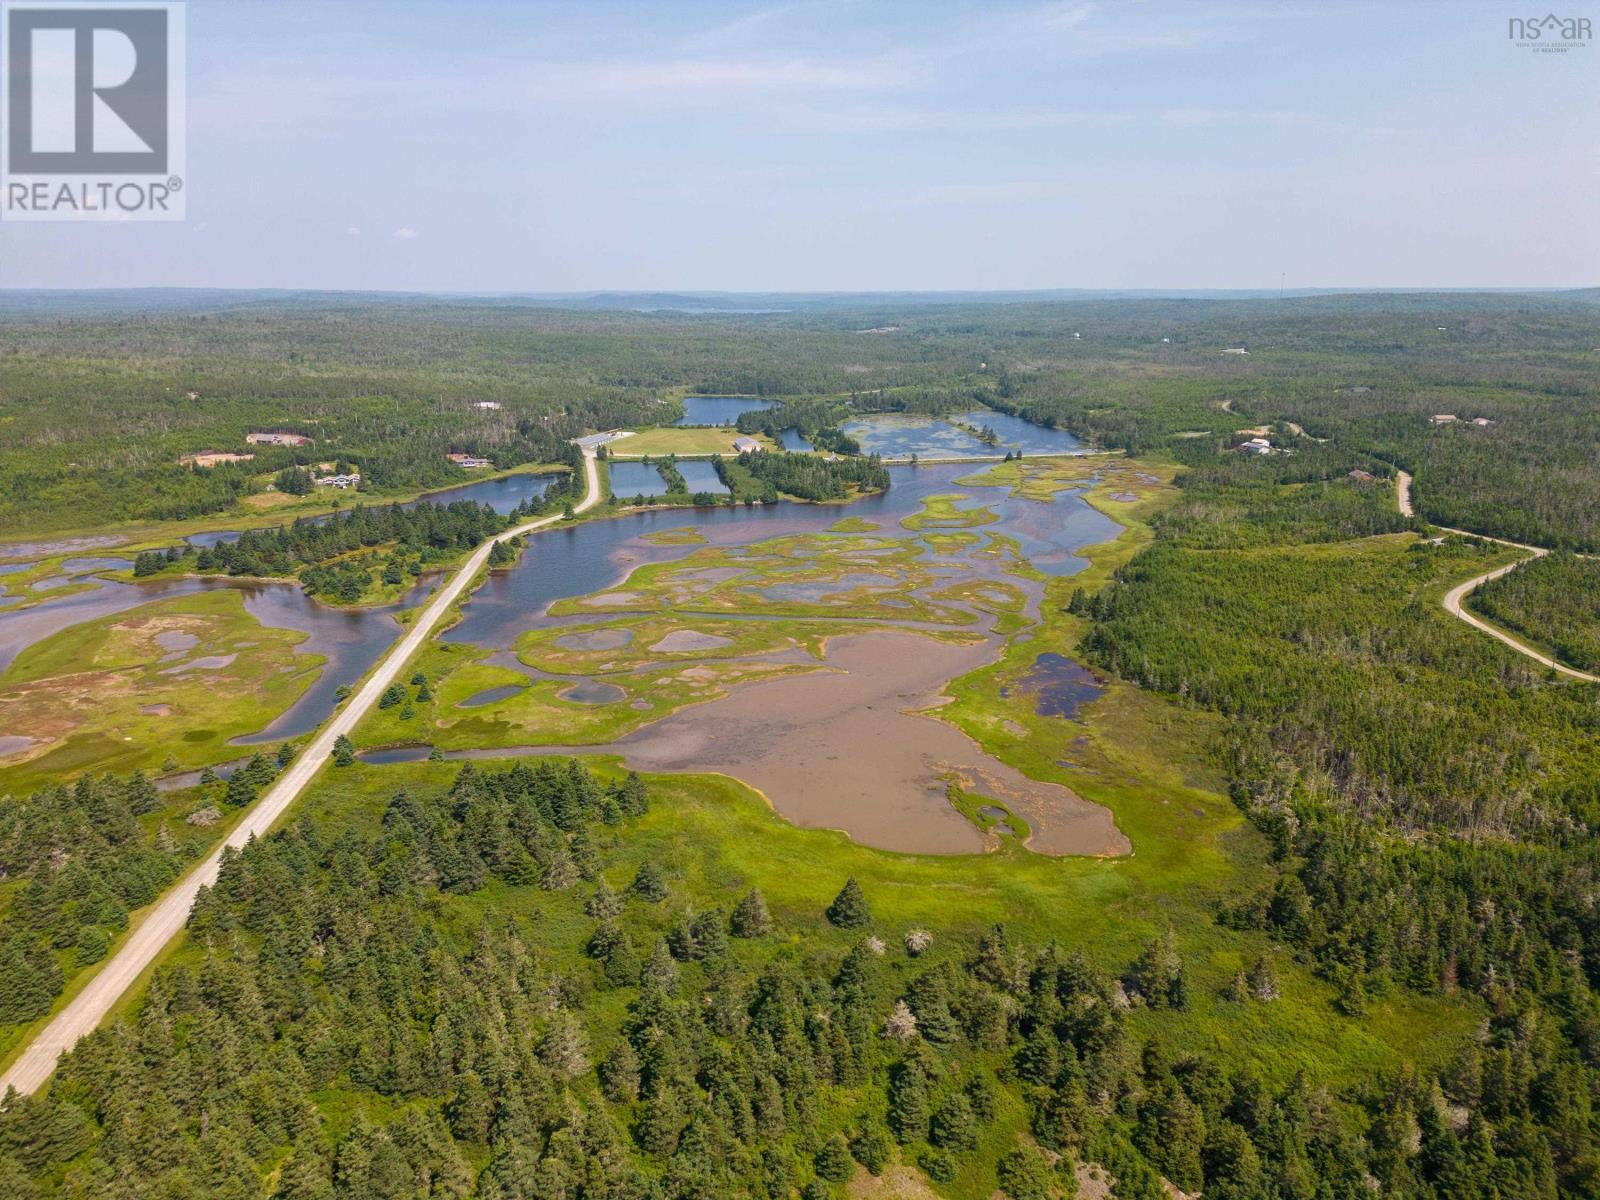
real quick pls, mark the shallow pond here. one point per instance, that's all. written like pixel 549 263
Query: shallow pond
pixel 13 744
pixel 1059 686
pixel 593 691
pixel 629 479
pixel 896 435
pixel 492 695
pixel 596 639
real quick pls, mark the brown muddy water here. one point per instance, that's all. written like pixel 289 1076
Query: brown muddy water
pixel 846 748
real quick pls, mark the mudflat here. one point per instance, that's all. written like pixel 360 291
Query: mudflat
pixel 848 748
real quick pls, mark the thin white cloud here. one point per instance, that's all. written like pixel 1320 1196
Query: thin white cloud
pixel 354 231
pixel 405 233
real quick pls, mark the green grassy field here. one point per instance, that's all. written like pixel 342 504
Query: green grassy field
pixel 688 441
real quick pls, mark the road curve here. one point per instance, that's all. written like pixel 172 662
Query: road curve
pixel 89 1007
pixel 1454 599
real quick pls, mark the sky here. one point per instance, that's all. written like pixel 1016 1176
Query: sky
pixel 840 145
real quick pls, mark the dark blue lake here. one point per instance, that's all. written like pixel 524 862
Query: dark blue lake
pixel 718 410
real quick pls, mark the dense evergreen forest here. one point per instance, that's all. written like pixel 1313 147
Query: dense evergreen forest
pixel 1431 796
pixel 802 475
pixel 626 1044
pixel 326 553
pixel 78 860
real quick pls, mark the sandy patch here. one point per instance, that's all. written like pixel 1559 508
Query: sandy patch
pixel 896 1183
pixel 156 710
pixel 51 549
pixel 688 641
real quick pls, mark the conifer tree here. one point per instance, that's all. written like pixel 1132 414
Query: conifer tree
pixel 649 884
pixel 751 918
pixel 849 908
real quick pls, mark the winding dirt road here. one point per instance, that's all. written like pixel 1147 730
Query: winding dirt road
pixel 163 922
pixel 1454 599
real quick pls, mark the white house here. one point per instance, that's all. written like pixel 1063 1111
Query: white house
pixel 746 445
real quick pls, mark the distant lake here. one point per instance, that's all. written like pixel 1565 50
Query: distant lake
pixel 629 479
pixel 719 410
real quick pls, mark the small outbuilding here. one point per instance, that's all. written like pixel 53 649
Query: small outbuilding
pixel 746 445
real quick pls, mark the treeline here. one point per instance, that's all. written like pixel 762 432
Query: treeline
pixel 804 475
pixel 348 1024
pixel 1555 601
pixel 325 553
pixel 97 410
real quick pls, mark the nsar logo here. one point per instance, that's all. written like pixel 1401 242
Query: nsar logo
pixel 93 97
pixel 1549 34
